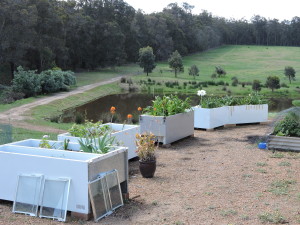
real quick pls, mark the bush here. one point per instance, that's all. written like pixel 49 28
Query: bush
pixel 234 83
pixel 9 96
pixel 284 85
pixel 221 83
pixel 27 82
pixel 296 103
pixel 123 80
pixel 289 126
pixel 56 80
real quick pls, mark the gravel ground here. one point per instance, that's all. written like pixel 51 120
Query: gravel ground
pixel 217 177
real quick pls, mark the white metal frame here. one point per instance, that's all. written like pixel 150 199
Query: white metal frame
pixel 36 201
pixel 65 197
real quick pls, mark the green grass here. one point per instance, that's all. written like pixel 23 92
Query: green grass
pixel 274 217
pixel 244 62
pixel 85 78
pixel 21 134
pixel 41 115
pixel 281 187
pixel 5 107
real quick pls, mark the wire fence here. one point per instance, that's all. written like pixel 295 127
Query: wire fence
pixel 6 133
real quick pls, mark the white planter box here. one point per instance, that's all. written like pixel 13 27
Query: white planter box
pixel 247 114
pixel 59 145
pixel 210 118
pixel 125 135
pixel 79 167
pixel 216 117
pixel 168 129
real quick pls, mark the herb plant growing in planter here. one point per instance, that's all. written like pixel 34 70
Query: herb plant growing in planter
pixel 218 111
pixel 146 152
pixel 168 118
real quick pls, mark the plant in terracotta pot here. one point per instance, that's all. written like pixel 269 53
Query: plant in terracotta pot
pixel 146 152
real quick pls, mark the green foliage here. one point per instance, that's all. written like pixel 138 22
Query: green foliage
pixel 281 187
pixel 273 82
pixel 290 73
pixel 167 106
pixel 275 217
pixel 220 71
pixel 194 71
pixel 100 145
pixel 296 103
pixel 9 96
pixel 175 62
pixel 56 80
pixel 27 82
pixel 214 102
pixel 288 126
pixel 45 142
pixel 89 129
pixel 147 59
pixel 256 85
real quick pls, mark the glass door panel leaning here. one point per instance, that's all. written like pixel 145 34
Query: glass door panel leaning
pixel 28 194
pixel 113 184
pixel 55 198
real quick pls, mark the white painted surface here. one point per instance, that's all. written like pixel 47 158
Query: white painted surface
pixel 168 129
pixel 210 118
pixel 15 160
pixel 124 135
pixel 247 114
pixel 216 117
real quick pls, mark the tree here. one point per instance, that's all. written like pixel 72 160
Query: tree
pixel 175 62
pixel 147 59
pixel 194 71
pixel 256 85
pixel 213 76
pixel 220 71
pixel 290 73
pixel 273 82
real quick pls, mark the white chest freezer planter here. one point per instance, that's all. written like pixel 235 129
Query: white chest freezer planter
pixel 124 135
pixel 80 167
pixel 168 129
pixel 247 114
pixel 59 145
pixel 210 118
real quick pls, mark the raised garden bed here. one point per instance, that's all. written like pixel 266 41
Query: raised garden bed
pixel 283 143
pixel 124 135
pixel 80 167
pixel 206 118
pixel 168 129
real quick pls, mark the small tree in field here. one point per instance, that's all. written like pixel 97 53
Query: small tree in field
pixel 147 59
pixel 175 62
pixel 220 71
pixel 273 82
pixel 213 76
pixel 290 73
pixel 194 71
pixel 256 85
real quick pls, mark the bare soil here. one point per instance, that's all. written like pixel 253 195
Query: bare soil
pixel 17 116
pixel 218 177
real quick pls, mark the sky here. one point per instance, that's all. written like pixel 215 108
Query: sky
pixel 237 9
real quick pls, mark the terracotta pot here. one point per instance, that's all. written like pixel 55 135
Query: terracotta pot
pixel 147 168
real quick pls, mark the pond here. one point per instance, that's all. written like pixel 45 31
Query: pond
pixel 128 103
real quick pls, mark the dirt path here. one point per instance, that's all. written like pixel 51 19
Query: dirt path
pixel 213 178
pixel 16 116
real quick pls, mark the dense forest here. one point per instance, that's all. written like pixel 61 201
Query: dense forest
pixel 42 34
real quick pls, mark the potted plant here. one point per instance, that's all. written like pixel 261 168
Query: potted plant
pixel 169 119
pixel 146 152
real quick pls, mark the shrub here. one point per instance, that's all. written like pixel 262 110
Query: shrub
pixel 284 85
pixel 296 103
pixel 256 85
pixel 123 80
pixel 234 83
pixel 27 82
pixel 9 96
pixel 288 126
pixel 221 82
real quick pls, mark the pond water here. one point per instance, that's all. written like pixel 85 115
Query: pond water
pixel 128 103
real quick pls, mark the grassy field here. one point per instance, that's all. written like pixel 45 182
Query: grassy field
pixel 244 62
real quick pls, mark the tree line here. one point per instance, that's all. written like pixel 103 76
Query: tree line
pixel 42 34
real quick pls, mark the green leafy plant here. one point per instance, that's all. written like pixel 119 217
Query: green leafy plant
pixel 251 99
pixel 146 147
pixel 89 129
pixel 45 142
pixel 99 145
pixel 66 144
pixel 167 106
pixel 288 126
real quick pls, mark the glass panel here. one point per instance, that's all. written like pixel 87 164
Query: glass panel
pixel 28 194
pixel 99 198
pixel 114 189
pixel 55 198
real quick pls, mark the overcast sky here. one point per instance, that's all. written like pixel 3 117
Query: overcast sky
pixel 279 9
